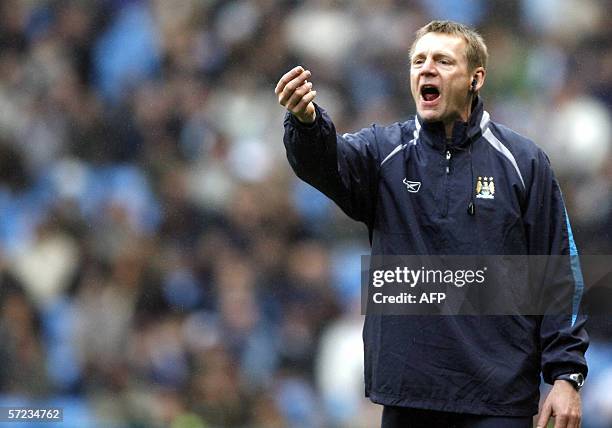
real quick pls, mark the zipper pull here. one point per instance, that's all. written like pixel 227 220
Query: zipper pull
pixel 448 157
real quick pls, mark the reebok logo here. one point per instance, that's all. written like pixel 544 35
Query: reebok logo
pixel 412 186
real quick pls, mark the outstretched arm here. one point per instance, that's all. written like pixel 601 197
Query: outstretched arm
pixel 343 167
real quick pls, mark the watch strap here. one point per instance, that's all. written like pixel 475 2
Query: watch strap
pixel 576 379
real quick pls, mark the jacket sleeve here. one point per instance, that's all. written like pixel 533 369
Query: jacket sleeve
pixel 563 338
pixel 343 167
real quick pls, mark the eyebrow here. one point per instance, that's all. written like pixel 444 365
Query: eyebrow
pixel 436 54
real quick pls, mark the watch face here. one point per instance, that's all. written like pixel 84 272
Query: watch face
pixel 578 378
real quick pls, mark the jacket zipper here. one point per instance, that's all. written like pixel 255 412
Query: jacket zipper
pixel 446 183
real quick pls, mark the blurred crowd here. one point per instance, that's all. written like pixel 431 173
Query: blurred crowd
pixel 160 265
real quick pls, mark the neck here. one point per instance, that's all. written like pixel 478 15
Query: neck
pixel 464 117
pixel 448 128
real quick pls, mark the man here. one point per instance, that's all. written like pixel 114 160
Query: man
pixel 437 371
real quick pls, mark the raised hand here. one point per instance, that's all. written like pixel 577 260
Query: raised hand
pixel 295 93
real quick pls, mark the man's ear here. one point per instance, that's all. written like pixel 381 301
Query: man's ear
pixel 478 78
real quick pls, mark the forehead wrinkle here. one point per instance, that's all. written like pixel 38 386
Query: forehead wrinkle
pixel 456 41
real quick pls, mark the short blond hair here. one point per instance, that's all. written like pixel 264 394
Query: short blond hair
pixel 476 50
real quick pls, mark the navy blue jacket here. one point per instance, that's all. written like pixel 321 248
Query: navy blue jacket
pixel 487 365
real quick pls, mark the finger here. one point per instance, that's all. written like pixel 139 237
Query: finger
pixel 287 77
pixel 561 421
pixel 293 83
pixel 306 99
pixel 544 416
pixel 574 421
pixel 292 86
pixel 299 94
pixel 287 91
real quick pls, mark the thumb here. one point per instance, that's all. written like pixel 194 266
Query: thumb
pixel 545 414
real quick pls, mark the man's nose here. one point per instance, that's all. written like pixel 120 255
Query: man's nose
pixel 428 67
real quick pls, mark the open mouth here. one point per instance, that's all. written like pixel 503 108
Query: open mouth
pixel 429 93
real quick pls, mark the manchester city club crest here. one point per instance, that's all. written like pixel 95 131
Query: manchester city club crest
pixel 485 188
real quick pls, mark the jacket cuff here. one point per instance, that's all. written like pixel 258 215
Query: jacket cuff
pixel 562 369
pixel 304 127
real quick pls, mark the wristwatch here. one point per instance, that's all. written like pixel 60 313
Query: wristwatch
pixel 576 379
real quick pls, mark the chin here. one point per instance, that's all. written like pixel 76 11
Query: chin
pixel 429 116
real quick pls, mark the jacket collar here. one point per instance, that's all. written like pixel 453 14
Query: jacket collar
pixel 464 133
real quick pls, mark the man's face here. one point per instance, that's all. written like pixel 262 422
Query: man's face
pixel 439 78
